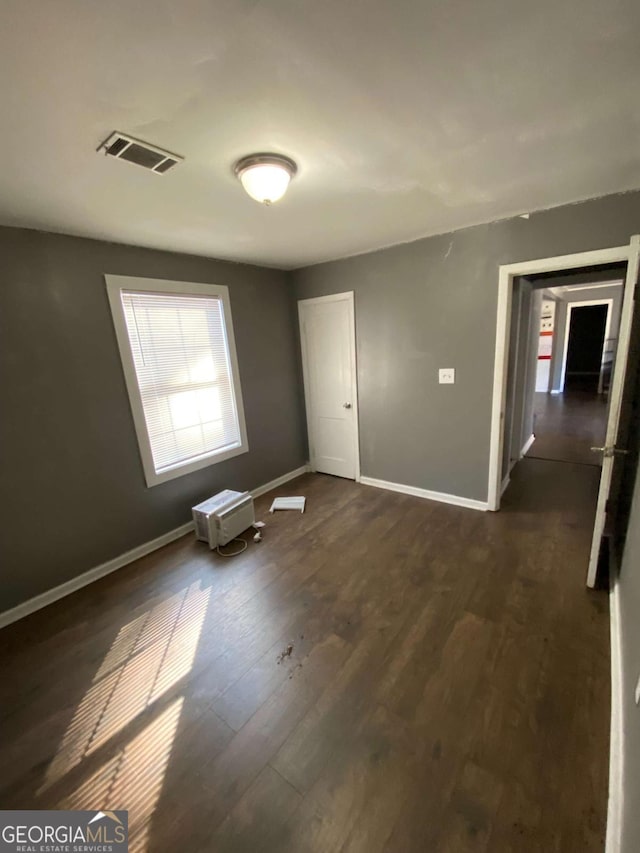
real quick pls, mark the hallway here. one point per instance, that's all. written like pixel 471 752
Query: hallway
pixel 567 425
pixel 447 687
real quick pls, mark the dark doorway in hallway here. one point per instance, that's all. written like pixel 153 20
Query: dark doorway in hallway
pixel 584 348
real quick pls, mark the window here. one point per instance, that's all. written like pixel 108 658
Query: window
pixel 179 359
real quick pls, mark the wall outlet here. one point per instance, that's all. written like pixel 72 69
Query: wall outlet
pixel 447 375
pixel 638 691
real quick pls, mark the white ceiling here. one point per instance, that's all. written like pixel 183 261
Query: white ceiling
pixel 406 119
pixel 584 291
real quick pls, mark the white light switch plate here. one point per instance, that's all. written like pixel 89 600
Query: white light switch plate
pixel 638 691
pixel 447 375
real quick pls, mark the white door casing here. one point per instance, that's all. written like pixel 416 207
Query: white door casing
pixel 327 337
pixel 615 405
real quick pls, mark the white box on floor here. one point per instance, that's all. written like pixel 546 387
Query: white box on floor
pixel 221 518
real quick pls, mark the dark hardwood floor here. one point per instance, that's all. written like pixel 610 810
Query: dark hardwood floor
pixel 568 425
pixel 447 687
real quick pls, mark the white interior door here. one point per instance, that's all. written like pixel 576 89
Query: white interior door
pixel 610 449
pixel 327 335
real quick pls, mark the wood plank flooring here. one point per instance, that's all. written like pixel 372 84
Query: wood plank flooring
pixel 568 425
pixel 447 689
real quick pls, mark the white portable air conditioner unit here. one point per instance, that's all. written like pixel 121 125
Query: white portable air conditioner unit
pixel 221 518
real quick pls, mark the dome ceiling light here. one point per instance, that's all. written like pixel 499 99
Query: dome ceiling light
pixel 265 177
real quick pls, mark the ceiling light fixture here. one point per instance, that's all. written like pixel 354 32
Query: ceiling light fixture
pixel 265 177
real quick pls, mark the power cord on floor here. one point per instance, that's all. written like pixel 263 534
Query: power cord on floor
pixel 245 545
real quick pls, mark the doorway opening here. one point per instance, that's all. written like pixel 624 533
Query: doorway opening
pixel 580 320
pixel 585 342
pixel 537 311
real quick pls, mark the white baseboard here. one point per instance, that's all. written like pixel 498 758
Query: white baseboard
pixel 505 483
pixel 616 746
pixel 555 391
pixel 526 447
pixel 279 481
pixel 441 497
pixel 51 595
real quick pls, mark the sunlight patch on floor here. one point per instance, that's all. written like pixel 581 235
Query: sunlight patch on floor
pixel 132 778
pixel 149 655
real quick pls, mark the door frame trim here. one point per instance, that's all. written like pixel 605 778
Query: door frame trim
pixel 615 402
pixel 347 296
pixel 567 329
pixel 506 274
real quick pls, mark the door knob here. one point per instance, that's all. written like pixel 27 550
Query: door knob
pixel 347 405
pixel 610 451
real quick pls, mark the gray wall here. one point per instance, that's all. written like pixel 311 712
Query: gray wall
pixel 627 538
pixel 527 428
pixel 513 411
pixel 629 594
pixel 431 304
pixel 557 351
pixel 523 362
pixel 73 493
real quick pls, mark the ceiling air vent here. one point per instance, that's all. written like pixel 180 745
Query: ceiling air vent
pixel 141 153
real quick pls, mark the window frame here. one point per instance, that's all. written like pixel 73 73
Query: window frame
pixel 115 285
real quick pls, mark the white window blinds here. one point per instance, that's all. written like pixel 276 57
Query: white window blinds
pixel 181 357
